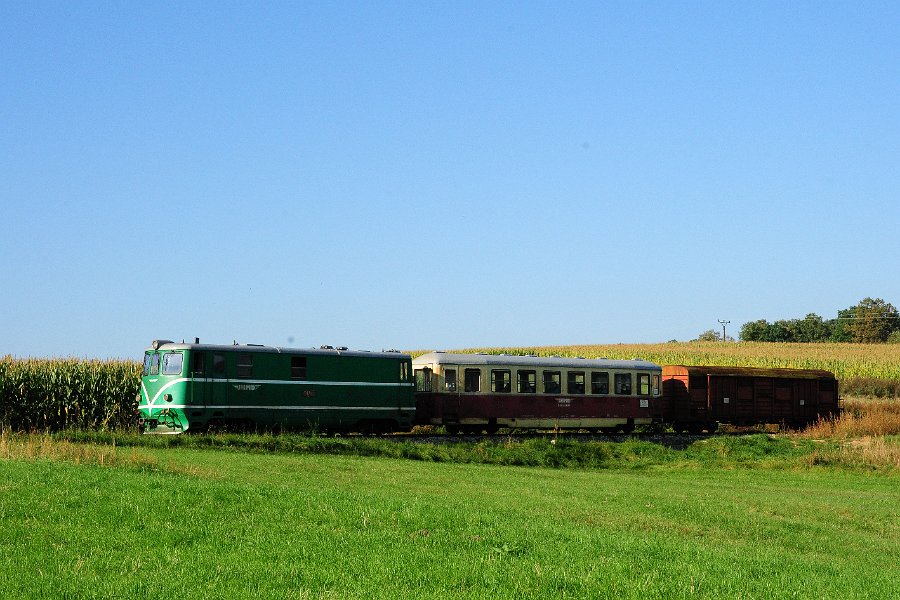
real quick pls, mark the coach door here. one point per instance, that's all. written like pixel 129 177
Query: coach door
pixel 450 387
pixel 805 399
pixel 723 397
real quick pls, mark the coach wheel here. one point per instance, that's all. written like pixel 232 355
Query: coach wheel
pixel 492 429
pixel 627 428
pixel 678 427
pixel 712 426
pixel 695 427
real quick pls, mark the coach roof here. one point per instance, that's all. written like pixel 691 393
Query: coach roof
pixel 534 361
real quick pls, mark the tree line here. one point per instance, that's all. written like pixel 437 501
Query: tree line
pixel 872 320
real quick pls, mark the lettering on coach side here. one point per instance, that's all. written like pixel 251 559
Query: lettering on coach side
pixel 247 387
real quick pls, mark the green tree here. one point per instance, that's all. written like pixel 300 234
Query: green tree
pixel 839 327
pixel 811 329
pixel 781 331
pixel 873 321
pixel 756 331
pixel 710 335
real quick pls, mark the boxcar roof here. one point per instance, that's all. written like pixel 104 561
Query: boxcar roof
pixel 752 372
pixel 278 350
pixel 533 361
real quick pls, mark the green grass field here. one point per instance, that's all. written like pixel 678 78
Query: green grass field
pixel 746 518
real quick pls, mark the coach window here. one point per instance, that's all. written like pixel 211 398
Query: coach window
pixel 526 382
pixel 245 365
pixel 172 363
pixel 198 364
pixel 501 381
pixel 575 382
pixel 599 383
pixel 623 383
pixel 450 380
pixel 219 364
pixel 551 382
pixel 643 384
pixel 656 385
pixel 298 367
pixel 154 365
pixel 472 380
pixel 423 380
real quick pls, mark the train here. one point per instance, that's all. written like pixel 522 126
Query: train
pixel 199 387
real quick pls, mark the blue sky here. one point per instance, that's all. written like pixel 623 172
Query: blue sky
pixel 440 175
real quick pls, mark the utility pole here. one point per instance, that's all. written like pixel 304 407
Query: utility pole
pixel 724 323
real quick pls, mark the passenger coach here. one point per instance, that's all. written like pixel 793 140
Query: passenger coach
pixel 479 392
pixel 195 386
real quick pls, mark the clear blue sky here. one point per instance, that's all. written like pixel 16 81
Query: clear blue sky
pixel 440 174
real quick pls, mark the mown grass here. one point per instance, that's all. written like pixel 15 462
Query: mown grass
pixel 237 524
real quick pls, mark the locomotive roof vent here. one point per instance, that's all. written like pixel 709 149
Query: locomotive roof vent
pixel 343 348
pixel 155 344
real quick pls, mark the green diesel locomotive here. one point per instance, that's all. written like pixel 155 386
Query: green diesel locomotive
pixel 204 386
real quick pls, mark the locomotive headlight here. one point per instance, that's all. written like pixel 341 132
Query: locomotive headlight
pixel 167 397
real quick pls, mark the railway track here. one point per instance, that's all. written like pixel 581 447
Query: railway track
pixel 670 440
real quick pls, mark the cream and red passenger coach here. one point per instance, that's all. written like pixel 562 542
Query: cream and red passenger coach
pixel 479 392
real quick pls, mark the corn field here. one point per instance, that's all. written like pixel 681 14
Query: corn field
pixel 52 394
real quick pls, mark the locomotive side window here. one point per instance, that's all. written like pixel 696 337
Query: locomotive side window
pixel 172 363
pixel 298 367
pixel 472 380
pixel 643 384
pixel 526 382
pixel 599 383
pixel 146 370
pixel 575 382
pixel 404 371
pixel 551 382
pixel 154 364
pixel 198 364
pixel 219 364
pixel 501 381
pixel 623 383
pixel 245 365
pixel 450 380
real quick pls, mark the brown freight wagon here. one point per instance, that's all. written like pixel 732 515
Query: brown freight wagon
pixel 700 397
